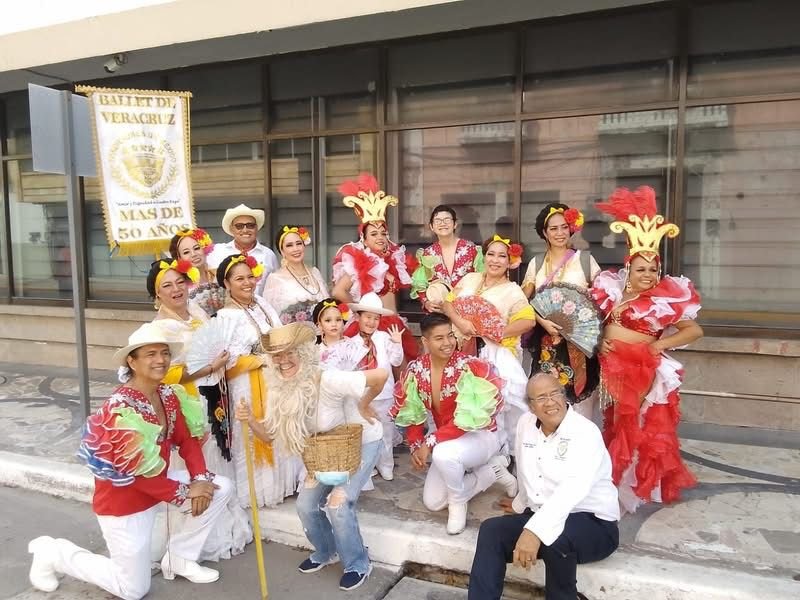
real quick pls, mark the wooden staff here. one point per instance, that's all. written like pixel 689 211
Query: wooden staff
pixel 262 574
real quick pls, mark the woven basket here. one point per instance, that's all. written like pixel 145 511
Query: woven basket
pixel 336 450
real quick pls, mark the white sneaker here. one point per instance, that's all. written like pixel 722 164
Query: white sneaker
pixel 172 565
pixel 43 573
pixel 456 518
pixel 499 465
pixel 387 473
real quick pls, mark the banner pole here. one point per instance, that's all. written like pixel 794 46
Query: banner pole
pixel 262 574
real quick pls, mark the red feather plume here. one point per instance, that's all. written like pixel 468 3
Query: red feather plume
pixel 365 182
pixel 622 203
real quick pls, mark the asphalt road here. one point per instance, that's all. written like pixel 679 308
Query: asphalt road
pixel 26 515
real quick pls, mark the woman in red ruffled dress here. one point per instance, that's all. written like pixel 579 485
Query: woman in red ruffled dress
pixel 645 315
pixel 374 263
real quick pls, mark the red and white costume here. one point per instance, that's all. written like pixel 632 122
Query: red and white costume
pixel 639 391
pixel 466 435
pixel 467 256
pixel 128 452
pixel 370 272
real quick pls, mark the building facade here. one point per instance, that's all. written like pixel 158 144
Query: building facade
pixel 494 108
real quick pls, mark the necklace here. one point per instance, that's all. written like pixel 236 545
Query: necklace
pixel 192 322
pixel 305 280
pixel 258 347
pixel 483 287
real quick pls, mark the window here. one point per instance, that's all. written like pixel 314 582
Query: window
pixel 39 232
pixel 581 160
pixel 601 61
pixel 458 78
pixel 742 210
pixel 291 175
pixel 226 102
pixel 468 168
pixel 18 125
pixel 740 48
pixel 331 90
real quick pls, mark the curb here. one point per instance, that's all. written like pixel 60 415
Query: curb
pixel 623 576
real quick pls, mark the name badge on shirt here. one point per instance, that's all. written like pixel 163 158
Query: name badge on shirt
pixel 561 449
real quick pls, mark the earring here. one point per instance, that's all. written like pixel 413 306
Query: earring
pixel 628 287
pixel 283 262
pixel 157 304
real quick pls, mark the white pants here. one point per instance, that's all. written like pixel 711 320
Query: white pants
pixel 458 470
pixel 126 572
pixel 391 437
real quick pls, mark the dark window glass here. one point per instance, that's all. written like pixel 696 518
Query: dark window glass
pixel 740 237
pixel 743 48
pixel 581 160
pixel 334 90
pixel 600 61
pixel 226 101
pixel 291 173
pixel 18 124
pixel 459 78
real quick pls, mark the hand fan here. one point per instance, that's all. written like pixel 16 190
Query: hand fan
pixel 207 342
pixel 574 310
pixel 483 315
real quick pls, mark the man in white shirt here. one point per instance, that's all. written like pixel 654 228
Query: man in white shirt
pixel 242 224
pixel 567 509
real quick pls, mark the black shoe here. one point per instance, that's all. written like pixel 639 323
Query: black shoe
pixel 351 580
pixel 309 566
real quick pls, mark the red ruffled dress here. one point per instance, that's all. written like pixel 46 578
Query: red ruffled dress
pixel 640 392
pixel 368 272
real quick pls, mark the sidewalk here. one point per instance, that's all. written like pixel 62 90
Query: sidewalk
pixel 736 536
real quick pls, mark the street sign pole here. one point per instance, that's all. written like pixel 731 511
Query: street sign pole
pixel 77 251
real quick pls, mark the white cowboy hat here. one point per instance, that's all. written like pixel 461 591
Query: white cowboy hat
pixel 241 211
pixel 146 334
pixel 370 302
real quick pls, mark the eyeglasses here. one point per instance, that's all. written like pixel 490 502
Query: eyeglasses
pixel 242 226
pixel 555 395
pixel 443 221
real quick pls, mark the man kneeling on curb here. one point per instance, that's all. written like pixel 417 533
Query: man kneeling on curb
pixel 567 509
pixel 126 446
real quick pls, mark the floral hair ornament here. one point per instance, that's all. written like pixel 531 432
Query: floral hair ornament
pixel 256 267
pixel 636 216
pixel 301 231
pixel 200 236
pixel 184 267
pixel 345 310
pixel 514 251
pixel 574 219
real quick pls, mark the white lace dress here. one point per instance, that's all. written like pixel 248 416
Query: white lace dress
pixel 295 300
pixel 272 483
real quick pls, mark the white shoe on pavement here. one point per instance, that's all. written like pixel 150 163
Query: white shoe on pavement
pixel 43 573
pixel 387 473
pixel 456 518
pixel 172 565
pixel 502 475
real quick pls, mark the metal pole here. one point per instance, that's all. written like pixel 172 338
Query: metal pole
pixel 77 250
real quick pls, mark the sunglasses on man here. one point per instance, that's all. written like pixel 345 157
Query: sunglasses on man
pixel 243 226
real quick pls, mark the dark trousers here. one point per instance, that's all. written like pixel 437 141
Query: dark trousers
pixel 585 539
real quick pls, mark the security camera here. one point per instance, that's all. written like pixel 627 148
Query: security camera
pixel 113 64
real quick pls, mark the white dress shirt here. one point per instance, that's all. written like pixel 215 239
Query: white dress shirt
pixel 260 252
pixel 566 472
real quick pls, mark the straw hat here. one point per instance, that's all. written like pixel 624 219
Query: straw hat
pixel 437 291
pixel 144 336
pixel 288 337
pixel 241 211
pixel 370 302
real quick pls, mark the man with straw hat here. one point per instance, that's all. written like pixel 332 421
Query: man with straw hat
pixel 305 403
pixel 243 223
pixel 126 445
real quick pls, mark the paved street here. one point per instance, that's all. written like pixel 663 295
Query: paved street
pixel 28 514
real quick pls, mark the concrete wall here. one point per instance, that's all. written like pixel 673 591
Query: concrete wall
pixel 743 382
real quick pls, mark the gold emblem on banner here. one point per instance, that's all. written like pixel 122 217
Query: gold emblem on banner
pixel 143 164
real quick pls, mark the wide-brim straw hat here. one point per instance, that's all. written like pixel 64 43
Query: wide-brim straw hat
pixel 241 211
pixel 437 291
pixel 144 336
pixel 288 337
pixel 370 302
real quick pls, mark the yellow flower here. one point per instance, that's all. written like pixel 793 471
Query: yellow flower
pixel 545 356
pixel 563 379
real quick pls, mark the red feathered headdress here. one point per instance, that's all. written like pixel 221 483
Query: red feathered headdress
pixel 636 215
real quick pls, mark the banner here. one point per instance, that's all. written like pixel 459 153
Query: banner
pixel 142 150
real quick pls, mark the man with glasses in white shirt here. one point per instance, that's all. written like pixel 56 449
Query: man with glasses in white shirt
pixel 567 509
pixel 242 223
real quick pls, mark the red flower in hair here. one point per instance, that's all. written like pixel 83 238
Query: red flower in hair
pixel 515 250
pixel 302 231
pixel 251 262
pixel 574 219
pixel 183 266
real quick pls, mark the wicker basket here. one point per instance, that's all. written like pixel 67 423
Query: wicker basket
pixel 336 450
